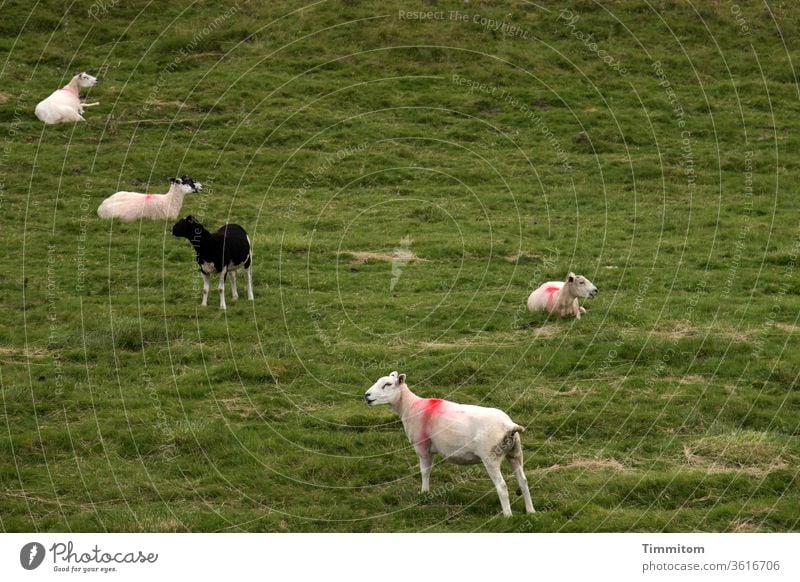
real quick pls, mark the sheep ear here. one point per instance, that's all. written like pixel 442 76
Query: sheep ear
pixel 401 379
pixel 570 277
pixel 393 374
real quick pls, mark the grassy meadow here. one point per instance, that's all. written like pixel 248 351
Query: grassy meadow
pixel 408 173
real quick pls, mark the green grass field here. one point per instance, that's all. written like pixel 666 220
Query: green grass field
pixel 406 182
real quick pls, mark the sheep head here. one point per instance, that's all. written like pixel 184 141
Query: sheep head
pixel 580 286
pixel 85 80
pixel 186 184
pixel 187 227
pixel 386 390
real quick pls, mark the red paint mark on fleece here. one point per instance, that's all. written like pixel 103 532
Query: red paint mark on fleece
pixel 430 407
pixel 551 291
pixel 147 197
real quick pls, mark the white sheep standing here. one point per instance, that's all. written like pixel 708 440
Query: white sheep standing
pixel 130 206
pixel 64 105
pixel 462 433
pixel 561 297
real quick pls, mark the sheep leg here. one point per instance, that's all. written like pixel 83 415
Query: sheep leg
pixel 493 468
pixel 234 290
pixel 249 285
pixel 222 290
pixel 206 285
pixel 516 466
pixel 425 464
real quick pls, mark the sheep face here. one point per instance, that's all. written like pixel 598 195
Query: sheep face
pixel 187 228
pixel 186 184
pixel 85 80
pixel 386 390
pixel 581 286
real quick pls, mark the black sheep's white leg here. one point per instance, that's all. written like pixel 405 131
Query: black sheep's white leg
pixel 222 290
pixel 234 290
pixel 248 263
pixel 206 285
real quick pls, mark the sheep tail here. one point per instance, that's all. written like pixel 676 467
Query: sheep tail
pixel 507 443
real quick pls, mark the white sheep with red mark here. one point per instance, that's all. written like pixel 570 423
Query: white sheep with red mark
pixel 130 206
pixel 463 434
pixel 561 297
pixel 64 105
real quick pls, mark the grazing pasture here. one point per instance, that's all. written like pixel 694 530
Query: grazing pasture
pixel 408 172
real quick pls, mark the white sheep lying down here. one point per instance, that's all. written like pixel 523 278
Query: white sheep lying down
pixel 561 297
pixel 130 206
pixel 463 434
pixel 64 105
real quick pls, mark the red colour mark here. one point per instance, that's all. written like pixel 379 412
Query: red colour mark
pixel 551 291
pixel 148 196
pixel 431 406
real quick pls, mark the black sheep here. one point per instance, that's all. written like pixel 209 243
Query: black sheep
pixel 220 252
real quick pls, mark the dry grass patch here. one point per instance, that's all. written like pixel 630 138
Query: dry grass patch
pixel 585 465
pixel 746 451
pixel 547 331
pixel 517 257
pixel 238 406
pixel 788 327
pixel 550 392
pixel 691 379
pixel 361 257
